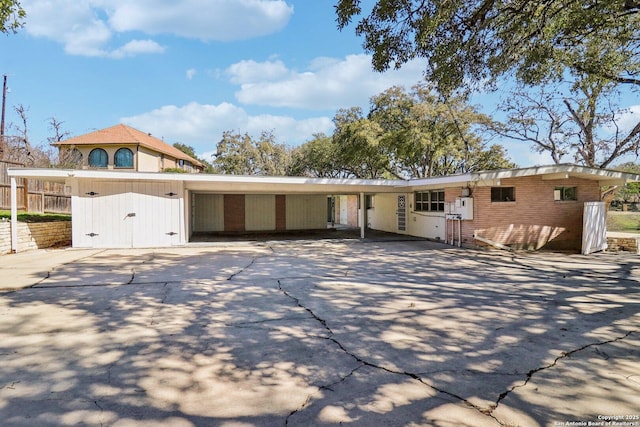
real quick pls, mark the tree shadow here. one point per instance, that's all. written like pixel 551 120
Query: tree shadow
pixel 308 333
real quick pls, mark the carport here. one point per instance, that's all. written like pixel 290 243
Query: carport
pixel 230 205
pixel 118 209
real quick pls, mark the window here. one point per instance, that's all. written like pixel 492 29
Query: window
pixel 124 158
pixel 503 194
pixel 98 158
pixel 432 201
pixel 565 193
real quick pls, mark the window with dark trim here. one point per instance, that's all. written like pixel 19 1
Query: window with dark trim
pixel 565 193
pixel 503 194
pixel 98 158
pixel 123 158
pixel 429 201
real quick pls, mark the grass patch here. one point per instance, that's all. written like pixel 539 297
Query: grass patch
pixel 35 217
pixel 628 222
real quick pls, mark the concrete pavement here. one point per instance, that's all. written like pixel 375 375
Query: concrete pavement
pixel 318 333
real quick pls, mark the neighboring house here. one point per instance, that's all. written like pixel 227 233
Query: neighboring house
pixel 555 207
pixel 123 147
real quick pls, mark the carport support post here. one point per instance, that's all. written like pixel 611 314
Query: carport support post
pixel 14 215
pixel 363 209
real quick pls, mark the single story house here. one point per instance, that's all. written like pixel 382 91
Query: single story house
pixel 122 147
pixel 555 207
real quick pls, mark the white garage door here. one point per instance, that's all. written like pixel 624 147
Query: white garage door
pixel 127 214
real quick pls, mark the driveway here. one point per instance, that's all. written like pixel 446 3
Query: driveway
pixel 362 333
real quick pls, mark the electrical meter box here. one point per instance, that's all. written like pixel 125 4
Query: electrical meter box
pixel 464 207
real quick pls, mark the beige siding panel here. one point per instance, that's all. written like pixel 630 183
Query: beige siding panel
pixel 306 212
pixel 148 161
pixel 260 212
pixel 208 212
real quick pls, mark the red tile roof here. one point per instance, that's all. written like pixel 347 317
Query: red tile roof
pixel 123 134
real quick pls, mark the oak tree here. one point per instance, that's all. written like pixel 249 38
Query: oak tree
pixel 479 40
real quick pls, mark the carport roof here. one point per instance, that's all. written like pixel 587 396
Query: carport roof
pixel 243 184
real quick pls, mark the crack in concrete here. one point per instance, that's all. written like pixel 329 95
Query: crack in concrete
pixel 10 386
pixel 167 289
pixel 242 270
pixel 95 402
pixel 363 362
pixel 562 356
pixel 322 387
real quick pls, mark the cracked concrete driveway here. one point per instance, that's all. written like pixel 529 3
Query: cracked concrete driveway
pixel 302 333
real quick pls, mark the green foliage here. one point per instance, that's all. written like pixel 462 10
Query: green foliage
pixel 425 135
pixel 319 158
pixel 412 134
pixel 186 149
pixel 11 16
pixel 35 217
pixel 479 39
pixel 631 191
pixel 358 141
pixel 238 154
pixel 189 151
pixel 174 170
pixel 628 222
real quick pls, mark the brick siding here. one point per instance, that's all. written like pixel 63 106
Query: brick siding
pixel 534 220
pixel 234 212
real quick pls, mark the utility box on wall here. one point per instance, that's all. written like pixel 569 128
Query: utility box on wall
pixel 464 207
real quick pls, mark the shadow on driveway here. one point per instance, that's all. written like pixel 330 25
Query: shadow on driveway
pixel 322 332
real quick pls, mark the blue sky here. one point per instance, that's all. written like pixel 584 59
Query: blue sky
pixel 188 70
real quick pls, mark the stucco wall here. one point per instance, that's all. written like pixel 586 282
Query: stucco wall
pixel 383 215
pixel 148 161
pixel 39 235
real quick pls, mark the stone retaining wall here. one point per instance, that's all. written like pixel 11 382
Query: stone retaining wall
pixel 623 244
pixel 36 235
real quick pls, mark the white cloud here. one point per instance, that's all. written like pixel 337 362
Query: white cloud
pixel 135 47
pixel 85 27
pixel 328 83
pixel 202 125
pixel 629 118
pixel 202 19
pixel 191 73
pixel 250 72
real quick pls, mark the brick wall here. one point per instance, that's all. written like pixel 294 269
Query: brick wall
pixel 352 210
pixel 281 212
pixel 35 235
pixel 534 220
pixel 623 244
pixel 234 212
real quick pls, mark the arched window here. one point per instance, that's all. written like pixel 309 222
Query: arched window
pixel 98 158
pixel 124 158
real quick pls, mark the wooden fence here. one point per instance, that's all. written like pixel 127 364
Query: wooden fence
pixel 41 196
